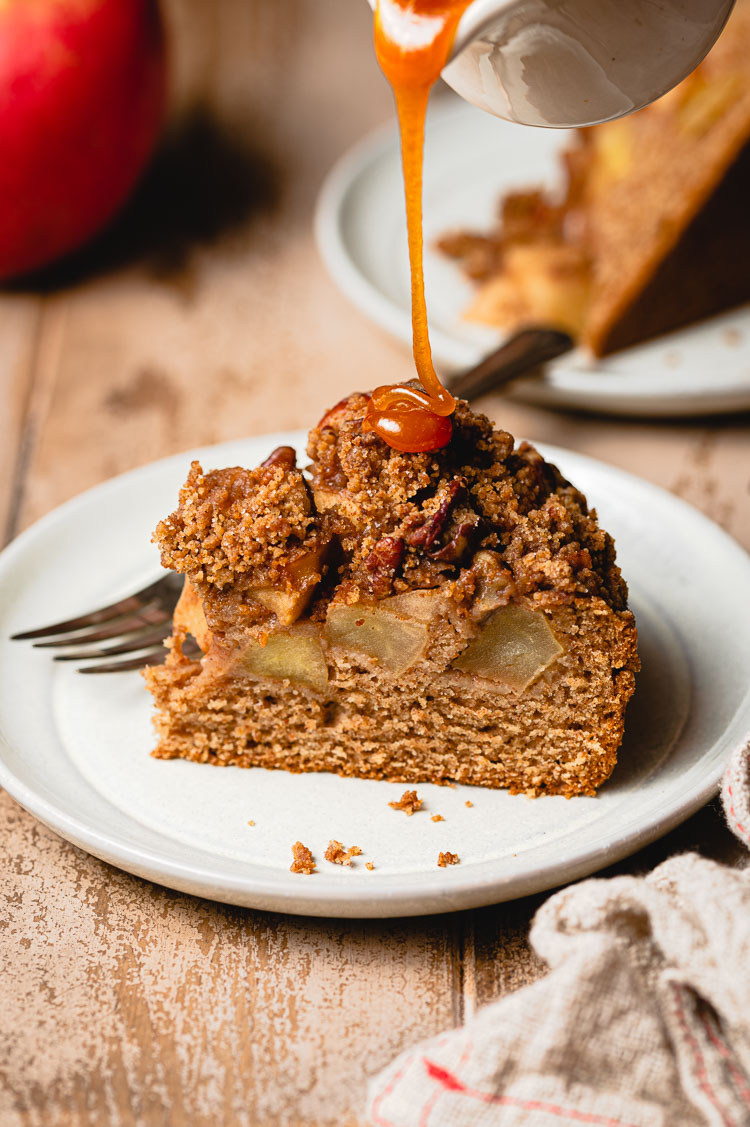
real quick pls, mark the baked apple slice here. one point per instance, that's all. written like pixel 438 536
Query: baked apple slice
pixel 513 647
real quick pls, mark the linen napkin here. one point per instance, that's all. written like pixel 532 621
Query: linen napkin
pixel 642 1021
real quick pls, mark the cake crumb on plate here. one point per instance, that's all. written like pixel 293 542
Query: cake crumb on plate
pixel 409 802
pixel 338 854
pixel 303 859
pixel 447 858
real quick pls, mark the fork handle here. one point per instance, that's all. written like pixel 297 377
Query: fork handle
pixel 519 355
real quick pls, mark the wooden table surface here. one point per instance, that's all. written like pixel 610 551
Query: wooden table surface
pixel 205 315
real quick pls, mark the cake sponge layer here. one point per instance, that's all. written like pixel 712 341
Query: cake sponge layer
pixel 559 736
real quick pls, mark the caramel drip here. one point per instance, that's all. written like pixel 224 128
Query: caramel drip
pixel 413 40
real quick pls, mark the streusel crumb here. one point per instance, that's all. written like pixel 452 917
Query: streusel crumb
pixel 338 854
pixel 303 859
pixel 409 802
pixel 447 858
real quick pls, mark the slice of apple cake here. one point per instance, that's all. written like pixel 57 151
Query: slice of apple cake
pixel 448 616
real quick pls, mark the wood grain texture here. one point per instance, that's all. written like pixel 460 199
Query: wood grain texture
pixel 131 1004
pixel 203 315
pixel 19 319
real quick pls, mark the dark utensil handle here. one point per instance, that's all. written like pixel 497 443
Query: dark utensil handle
pixel 521 354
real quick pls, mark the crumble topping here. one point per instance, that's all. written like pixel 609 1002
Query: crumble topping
pixel 447 858
pixel 539 239
pixel 437 818
pixel 409 802
pixel 303 861
pixel 247 540
pixel 234 521
pixel 411 520
pixel 498 524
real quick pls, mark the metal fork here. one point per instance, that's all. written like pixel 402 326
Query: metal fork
pixel 144 619
pixel 141 622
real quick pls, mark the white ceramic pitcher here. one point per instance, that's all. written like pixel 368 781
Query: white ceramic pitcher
pixel 564 63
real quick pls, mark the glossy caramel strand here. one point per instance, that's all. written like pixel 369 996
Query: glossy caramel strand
pixel 412 42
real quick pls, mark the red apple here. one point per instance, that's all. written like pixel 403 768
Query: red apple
pixel 82 87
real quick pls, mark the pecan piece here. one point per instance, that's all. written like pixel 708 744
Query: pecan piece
pixel 384 561
pixel 285 456
pixel 462 540
pixel 426 534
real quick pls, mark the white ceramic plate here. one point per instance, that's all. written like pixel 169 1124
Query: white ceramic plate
pixel 74 750
pixel 471 159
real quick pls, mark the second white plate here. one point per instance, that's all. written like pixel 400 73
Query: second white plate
pixel 471 159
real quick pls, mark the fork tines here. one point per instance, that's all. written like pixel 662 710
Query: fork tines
pixel 190 649
pixel 141 622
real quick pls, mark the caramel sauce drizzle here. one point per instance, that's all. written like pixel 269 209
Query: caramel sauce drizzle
pixel 413 40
